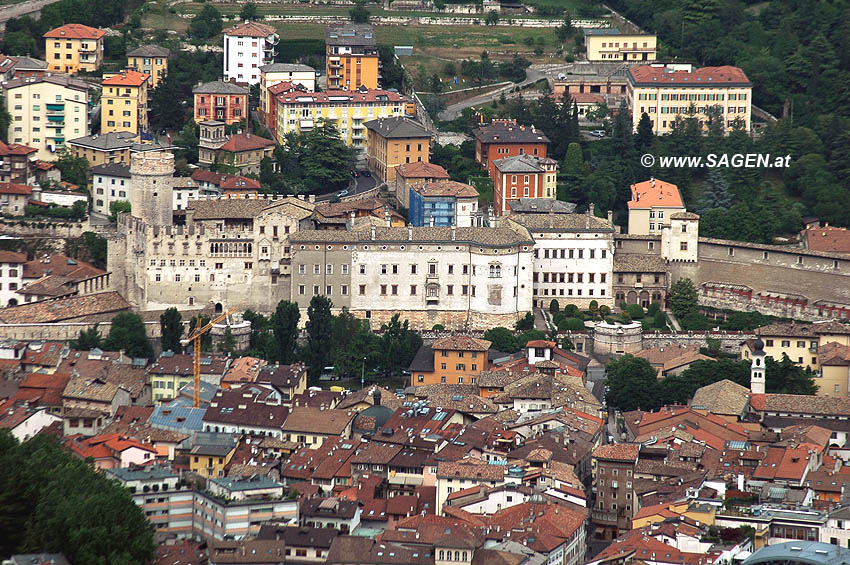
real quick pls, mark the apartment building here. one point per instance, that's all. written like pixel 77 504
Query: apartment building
pixel 456 359
pixel 242 152
pixel 668 92
pixel 72 48
pixel 109 183
pixel 11 276
pixel 17 163
pixel 444 203
pixel 395 141
pixel 21 67
pixel 522 176
pixel 247 47
pixel 653 203
pixel 504 138
pixel 348 111
pixel 45 111
pixel 415 174
pixel 114 147
pixel 276 73
pixel 151 60
pixel 124 103
pixel 799 341
pixel 615 505
pixel 610 44
pixel 220 101
pixel 573 258
pixel 351 56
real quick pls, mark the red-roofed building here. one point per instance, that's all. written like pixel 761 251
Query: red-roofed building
pixel 14 198
pixel 269 116
pixel 505 138
pixel 247 47
pixel 18 163
pixel 124 103
pixel 668 92
pixel 74 47
pixel 827 238
pixel 241 152
pixel 652 203
pixel 640 546
pixel 112 450
pixel 410 175
pixel 615 504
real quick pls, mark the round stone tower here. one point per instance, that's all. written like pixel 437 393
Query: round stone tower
pixel 151 187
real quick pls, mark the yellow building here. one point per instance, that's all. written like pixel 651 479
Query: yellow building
pixel 351 56
pixel 835 370
pixel 45 110
pixel 609 44
pixel 395 141
pixel 348 111
pixel 668 92
pixel 73 48
pixel 802 343
pixel 653 203
pixel 124 102
pixel 209 460
pixel 151 60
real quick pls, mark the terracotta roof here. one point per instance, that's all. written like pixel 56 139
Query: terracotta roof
pixel 245 142
pixel 338 96
pixel 447 188
pixel 471 469
pixel 12 188
pixel 497 237
pixel 127 78
pixel 12 257
pixel 618 451
pixel 251 29
pixel 75 31
pixel 710 77
pixel 16 149
pixel 684 216
pixel 65 308
pixel 461 343
pixel 238 182
pixel 562 222
pixel 639 263
pixel 827 238
pixel 60 264
pixel 801 404
pixel 370 552
pixel 421 170
pixel 794 329
pixel 654 193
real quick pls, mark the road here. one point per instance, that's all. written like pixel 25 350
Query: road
pixel 28 8
pixel 356 186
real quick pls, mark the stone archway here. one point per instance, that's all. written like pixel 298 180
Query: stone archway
pixel 632 297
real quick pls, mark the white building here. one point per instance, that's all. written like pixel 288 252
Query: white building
pixel 25 422
pixel 11 277
pixel 275 73
pixel 110 183
pixel 247 47
pixel 573 258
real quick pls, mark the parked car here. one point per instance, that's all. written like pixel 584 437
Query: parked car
pixel 598 133
pixel 355 174
pixel 366 174
pixel 342 193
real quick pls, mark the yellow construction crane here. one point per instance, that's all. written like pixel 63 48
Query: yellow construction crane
pixel 195 339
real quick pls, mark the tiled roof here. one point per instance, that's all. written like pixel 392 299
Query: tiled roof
pixel 398 127
pixel 502 131
pixel 318 421
pixel 219 87
pixel 618 451
pixel 794 329
pixel 16 149
pixel 226 208
pixel 684 216
pixel 60 264
pixel 238 182
pixel 149 51
pixel 251 29
pixel 421 170
pixel 540 206
pixel 447 188
pixel 725 398
pixel 562 222
pixel 245 142
pixel 234 407
pixel 295 536
pixel 127 78
pixel 65 309
pixel 461 343
pixel 366 395
pixel 519 164
pixel 182 364
pixel 639 263
pixel 59 80
pixel 828 238
pixel 497 237
pixel 286 68
pixel 475 470
pixel 801 404
pixel 75 31
pixel 653 193
pixel 12 188
pixel 711 77
pixel 338 96
pixel 111 170
pixel 12 257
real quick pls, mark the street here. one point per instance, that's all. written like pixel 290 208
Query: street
pixel 356 186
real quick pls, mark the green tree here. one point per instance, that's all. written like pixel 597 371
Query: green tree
pixel 73 169
pixel 249 12
pixel 187 142
pixel 715 192
pixel 643 139
pixel 5 120
pixel 436 83
pixel 786 377
pixel 228 342
pixel 355 348
pixel 128 333
pixel 89 339
pixel 96 247
pixel 553 306
pixel 398 346
pixel 683 298
pixel 632 384
pixel 20 43
pixel 206 24
pixel 359 14
pixel 679 389
pixel 285 328
pixel 563 31
pixel 49 496
pixel 166 111
pixel 318 347
pixel 171 330
pixel 526 322
pixel 492 18
pixel 118 207
pixel 502 339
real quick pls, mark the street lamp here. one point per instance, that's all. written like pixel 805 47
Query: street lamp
pixel 363 374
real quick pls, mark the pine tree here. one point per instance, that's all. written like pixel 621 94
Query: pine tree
pixel 715 193
pixel 171 330
pixel 644 132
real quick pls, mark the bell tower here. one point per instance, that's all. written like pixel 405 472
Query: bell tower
pixel 757 379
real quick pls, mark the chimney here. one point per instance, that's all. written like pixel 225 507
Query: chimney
pixel 351 217
pixel 430 221
pixel 409 233
pixel 454 232
pixel 591 209
pixel 652 182
pixel 376 396
pixel 373 233
pixel 611 217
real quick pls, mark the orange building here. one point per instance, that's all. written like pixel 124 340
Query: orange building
pixel 351 56
pixel 456 359
pixel 222 101
pixel 504 138
pixel 74 47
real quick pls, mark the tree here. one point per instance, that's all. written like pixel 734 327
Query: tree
pixel 187 142
pixel 228 342
pixel 786 377
pixel 89 339
pixel 285 328
pixel 632 384
pixel 73 169
pixel 553 306
pixel 206 24
pixel 5 120
pixel 128 333
pixel 683 298
pixel 436 83
pixel 249 12
pixel 398 346
pixel 49 496
pixel 359 14
pixel 356 349
pixel 525 323
pixel 502 339
pixel 644 132
pixel 171 329
pixel 166 110
pixel 318 347
pixel 118 207
pixel 715 192
pixel 563 31
pixel 679 389
pixel 492 18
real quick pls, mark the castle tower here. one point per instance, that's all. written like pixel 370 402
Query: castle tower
pixel 757 368
pixel 680 240
pixel 152 187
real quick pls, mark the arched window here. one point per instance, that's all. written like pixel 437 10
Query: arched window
pixel 457 555
pixel 442 554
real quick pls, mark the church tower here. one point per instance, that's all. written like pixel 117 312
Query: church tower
pixel 152 187
pixel 757 368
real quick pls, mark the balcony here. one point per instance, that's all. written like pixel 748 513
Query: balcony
pixel 273 39
pixel 56 118
pixel 55 124
pixel 55 108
